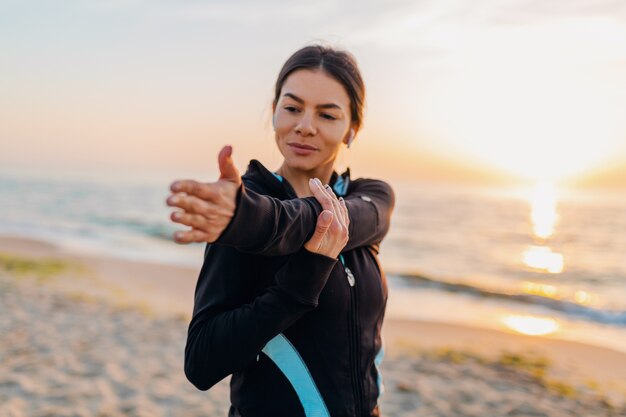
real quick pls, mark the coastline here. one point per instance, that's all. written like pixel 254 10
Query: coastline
pixel 163 292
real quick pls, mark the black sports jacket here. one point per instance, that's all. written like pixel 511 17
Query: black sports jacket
pixel 299 332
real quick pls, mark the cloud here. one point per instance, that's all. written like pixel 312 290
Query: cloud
pixel 455 24
pixel 254 11
pixel 524 11
pixel 236 11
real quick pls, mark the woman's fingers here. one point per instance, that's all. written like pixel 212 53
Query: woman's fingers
pixel 209 191
pixel 327 198
pixel 228 170
pixel 208 207
pixel 315 243
pixel 320 194
pixel 345 210
pixel 189 236
pixel 196 221
pixel 208 218
pixel 333 200
pixel 336 204
pixel 331 234
pixel 191 204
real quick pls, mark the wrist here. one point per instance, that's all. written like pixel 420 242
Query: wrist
pixel 325 254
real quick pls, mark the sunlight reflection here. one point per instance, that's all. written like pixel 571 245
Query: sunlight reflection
pixel 543 259
pixel 543 290
pixel 544 218
pixel 582 297
pixel 551 291
pixel 531 325
pixel 543 206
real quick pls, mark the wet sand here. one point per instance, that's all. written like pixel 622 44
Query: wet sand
pixel 99 336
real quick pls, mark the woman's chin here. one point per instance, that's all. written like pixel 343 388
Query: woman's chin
pixel 301 164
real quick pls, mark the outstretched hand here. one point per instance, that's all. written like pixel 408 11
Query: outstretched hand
pixel 207 207
pixel 331 230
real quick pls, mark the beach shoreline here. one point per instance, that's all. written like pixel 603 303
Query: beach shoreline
pixel 163 292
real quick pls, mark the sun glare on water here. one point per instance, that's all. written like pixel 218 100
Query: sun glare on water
pixel 544 218
pixel 542 259
pixel 543 210
pixel 531 325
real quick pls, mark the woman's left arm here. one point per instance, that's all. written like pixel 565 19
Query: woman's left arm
pixel 230 213
pixel 268 226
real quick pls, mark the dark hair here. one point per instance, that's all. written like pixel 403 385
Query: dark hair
pixel 340 65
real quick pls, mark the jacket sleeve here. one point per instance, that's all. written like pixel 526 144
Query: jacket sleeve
pixel 268 226
pixel 230 324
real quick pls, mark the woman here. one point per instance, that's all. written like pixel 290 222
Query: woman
pixel 291 297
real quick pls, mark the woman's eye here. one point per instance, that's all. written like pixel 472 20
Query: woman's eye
pixel 328 116
pixel 291 109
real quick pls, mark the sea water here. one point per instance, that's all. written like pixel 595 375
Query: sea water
pixel 541 260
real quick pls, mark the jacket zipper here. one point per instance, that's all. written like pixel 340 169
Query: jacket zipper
pixel 354 333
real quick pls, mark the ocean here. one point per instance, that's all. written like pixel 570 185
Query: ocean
pixel 537 261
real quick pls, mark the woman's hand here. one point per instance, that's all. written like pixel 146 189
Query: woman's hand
pixel 207 207
pixel 331 231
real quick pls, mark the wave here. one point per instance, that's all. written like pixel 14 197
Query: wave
pixel 570 308
pixel 156 229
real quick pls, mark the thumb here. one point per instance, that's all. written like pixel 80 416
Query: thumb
pixel 323 223
pixel 324 220
pixel 228 170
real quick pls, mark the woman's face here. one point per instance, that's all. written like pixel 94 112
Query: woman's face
pixel 311 119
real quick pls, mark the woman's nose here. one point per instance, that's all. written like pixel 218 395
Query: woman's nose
pixel 305 126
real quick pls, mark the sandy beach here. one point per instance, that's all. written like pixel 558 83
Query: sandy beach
pixel 94 336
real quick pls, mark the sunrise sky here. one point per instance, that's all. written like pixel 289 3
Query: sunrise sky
pixel 477 91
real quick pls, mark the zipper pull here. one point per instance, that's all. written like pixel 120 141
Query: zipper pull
pixel 350 275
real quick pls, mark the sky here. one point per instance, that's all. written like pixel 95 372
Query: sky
pixel 457 91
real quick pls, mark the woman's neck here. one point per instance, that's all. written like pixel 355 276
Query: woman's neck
pixel 299 179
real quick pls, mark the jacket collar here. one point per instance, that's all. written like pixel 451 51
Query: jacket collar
pixel 278 187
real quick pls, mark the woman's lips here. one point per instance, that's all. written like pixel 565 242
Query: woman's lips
pixel 301 149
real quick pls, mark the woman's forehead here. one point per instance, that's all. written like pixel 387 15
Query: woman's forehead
pixel 315 88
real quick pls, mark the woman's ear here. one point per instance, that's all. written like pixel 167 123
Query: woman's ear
pixel 350 138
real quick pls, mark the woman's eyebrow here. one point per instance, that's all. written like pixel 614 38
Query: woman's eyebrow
pixel 320 106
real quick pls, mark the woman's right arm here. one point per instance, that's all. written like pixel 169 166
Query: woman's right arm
pixel 269 226
pixel 230 326
pixel 231 213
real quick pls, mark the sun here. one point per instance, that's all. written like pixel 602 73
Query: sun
pixel 512 102
pixel 529 128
